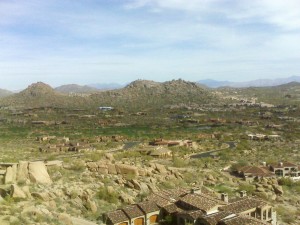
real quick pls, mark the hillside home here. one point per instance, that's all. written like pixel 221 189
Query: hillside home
pixel 283 169
pixel 254 172
pixel 160 152
pixel 170 143
pixel 106 108
pixel 195 208
pixel 144 213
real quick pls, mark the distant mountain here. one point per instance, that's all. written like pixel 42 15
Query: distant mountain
pixel 253 83
pixel 74 88
pixel 4 93
pixel 213 83
pixel 145 94
pixel 41 95
pixel 138 95
pixel 106 86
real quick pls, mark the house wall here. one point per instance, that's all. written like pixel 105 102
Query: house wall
pixel 124 222
pixel 185 220
pixel 133 219
pixel 148 215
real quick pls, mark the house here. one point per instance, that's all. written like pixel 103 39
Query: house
pixel 144 213
pixel 161 152
pixel 106 108
pixel 170 143
pixel 254 172
pixel 283 169
pixel 117 217
pixel 197 207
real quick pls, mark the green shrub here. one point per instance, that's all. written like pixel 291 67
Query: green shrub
pixel 105 195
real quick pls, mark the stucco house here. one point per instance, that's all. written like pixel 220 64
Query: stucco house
pixel 196 207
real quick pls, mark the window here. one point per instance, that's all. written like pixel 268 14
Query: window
pixel 153 219
pixel 270 213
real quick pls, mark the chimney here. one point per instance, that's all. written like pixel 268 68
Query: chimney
pixel 196 191
pixel 243 194
pixel 280 163
pixel 224 197
pixel 264 163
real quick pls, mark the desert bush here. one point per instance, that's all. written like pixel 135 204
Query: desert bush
pixel 105 195
pixel 178 162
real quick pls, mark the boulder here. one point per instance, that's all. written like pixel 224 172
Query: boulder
pixel 210 177
pixel 91 205
pixel 16 192
pixel 92 166
pixel 111 169
pixel 11 174
pixel 38 173
pixel 44 196
pixel 65 219
pixel 26 191
pixel 22 171
pixel 260 189
pixel 152 188
pixel 278 189
pixel 109 156
pixel 136 184
pixel 4 192
pixel 142 172
pixel 144 187
pixel 126 169
pixel 161 168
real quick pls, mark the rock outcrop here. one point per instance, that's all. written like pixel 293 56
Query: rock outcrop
pixel 38 173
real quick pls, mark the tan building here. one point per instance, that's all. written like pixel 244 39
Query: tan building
pixel 144 213
pixel 195 208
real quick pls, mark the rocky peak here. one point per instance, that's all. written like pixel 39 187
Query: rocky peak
pixel 37 89
pixel 142 84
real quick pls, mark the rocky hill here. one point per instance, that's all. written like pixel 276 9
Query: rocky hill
pixel 145 94
pixel 138 95
pixel 4 93
pixel 75 88
pixel 41 95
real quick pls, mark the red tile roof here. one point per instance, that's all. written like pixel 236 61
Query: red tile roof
pixel 242 220
pixel 243 204
pixel 133 211
pixel 284 164
pixel 256 171
pixel 148 206
pixel 117 216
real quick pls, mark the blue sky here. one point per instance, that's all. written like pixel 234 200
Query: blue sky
pixel 104 41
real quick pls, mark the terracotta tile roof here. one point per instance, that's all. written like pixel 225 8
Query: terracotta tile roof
pixel 195 214
pixel 133 211
pixel 160 201
pixel 201 201
pixel 242 220
pixel 164 197
pixel 172 208
pixel 116 216
pixel 213 219
pixel 256 171
pixel 243 204
pixel 284 164
pixel 148 206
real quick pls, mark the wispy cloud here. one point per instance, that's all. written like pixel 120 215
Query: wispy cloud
pixel 117 41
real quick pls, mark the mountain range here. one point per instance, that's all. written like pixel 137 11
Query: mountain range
pixel 4 93
pixel 253 83
pixel 138 95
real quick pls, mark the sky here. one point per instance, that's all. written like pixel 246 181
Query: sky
pixel 118 41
